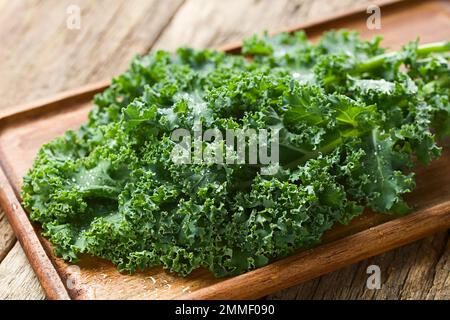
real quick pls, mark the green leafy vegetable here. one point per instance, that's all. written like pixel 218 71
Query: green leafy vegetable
pixel 353 121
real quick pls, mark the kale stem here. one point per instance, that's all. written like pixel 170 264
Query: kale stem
pixel 422 50
pixel 435 47
pixel 441 82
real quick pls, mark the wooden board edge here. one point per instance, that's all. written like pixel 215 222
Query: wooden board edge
pixel 44 269
pixel 329 257
pixel 41 104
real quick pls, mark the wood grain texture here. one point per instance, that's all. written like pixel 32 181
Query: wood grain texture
pixel 7 238
pixel 60 65
pixel 426 278
pixel 207 24
pixel 16 277
pixel 41 56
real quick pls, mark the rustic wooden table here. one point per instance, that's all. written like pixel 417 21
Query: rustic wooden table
pixel 40 56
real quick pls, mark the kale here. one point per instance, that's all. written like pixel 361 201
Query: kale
pixel 353 122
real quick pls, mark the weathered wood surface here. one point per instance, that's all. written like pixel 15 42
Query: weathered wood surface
pixel 7 238
pixel 40 56
pixel 420 270
pixel 17 279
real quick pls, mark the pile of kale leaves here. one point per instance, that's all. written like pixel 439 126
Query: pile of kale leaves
pixel 353 121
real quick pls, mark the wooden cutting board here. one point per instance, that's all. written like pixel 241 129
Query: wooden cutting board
pixel 25 130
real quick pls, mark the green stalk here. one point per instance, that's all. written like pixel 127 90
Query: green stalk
pixel 441 82
pixel 422 50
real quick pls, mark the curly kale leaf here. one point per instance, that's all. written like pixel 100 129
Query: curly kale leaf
pixel 353 122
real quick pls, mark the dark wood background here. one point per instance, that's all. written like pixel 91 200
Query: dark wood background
pixel 40 56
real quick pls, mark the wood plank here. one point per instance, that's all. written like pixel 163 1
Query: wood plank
pixel 207 24
pixel 41 56
pixel 441 280
pixel 417 271
pixel 17 279
pixel 7 238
